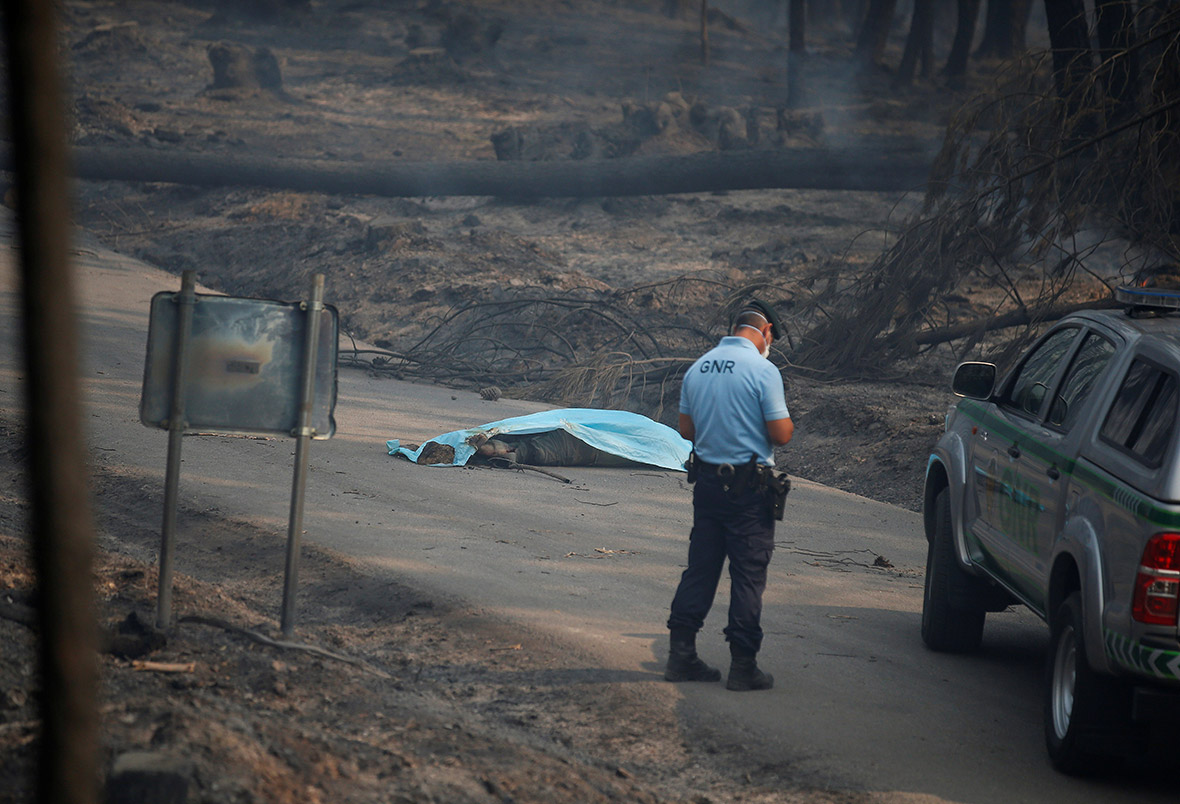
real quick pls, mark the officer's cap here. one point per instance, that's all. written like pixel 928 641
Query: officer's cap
pixel 767 312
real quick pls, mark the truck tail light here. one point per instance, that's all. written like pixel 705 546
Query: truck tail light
pixel 1157 586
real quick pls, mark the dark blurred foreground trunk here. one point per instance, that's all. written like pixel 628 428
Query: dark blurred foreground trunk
pixel 62 534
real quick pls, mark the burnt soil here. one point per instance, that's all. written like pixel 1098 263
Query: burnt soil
pixel 450 705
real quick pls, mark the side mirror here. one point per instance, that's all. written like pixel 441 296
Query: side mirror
pixel 974 380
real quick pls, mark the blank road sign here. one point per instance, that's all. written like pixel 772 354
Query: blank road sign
pixel 245 363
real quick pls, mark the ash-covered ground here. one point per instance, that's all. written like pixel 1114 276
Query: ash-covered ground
pixel 601 281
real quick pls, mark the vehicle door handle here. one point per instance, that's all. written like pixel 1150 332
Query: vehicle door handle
pixel 1053 473
pixel 1014 451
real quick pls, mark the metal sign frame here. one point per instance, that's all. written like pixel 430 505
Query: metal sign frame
pixel 225 364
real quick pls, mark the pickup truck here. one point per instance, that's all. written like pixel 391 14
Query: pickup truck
pixel 1058 488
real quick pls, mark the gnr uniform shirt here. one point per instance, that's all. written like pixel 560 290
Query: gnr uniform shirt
pixel 731 392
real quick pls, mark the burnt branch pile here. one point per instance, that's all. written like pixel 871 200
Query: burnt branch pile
pixel 584 347
pixel 618 348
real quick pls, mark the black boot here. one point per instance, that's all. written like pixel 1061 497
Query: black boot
pixel 744 674
pixel 683 662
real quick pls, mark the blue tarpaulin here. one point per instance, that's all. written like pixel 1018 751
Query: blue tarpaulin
pixel 619 432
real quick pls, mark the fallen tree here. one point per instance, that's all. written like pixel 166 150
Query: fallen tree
pixel 1021 317
pixel 653 175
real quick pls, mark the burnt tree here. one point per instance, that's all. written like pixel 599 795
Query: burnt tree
pixel 705 32
pixel 825 13
pixel 1070 40
pixel 854 12
pixel 956 62
pixel 1004 28
pixel 1118 63
pixel 919 45
pixel 874 32
pixel 796 53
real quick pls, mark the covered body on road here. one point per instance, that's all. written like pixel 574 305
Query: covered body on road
pixel 582 436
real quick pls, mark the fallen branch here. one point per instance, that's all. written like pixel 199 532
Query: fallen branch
pixel 1012 318
pixel 163 667
pixel 507 463
pixel 254 636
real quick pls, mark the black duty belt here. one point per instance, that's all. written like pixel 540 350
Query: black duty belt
pixel 721 469
pixel 734 477
pixel 737 478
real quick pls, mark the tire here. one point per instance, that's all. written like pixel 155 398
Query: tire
pixel 947 625
pixel 1086 714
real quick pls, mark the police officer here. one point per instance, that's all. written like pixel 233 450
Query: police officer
pixel 733 409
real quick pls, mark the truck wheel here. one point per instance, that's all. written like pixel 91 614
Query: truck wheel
pixel 1084 711
pixel 947 625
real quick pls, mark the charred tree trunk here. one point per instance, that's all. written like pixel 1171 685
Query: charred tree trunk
pixel 1070 41
pixel 956 63
pixel 1114 20
pixel 994 44
pixel 1004 28
pixel 705 32
pixel 825 12
pixel 1021 9
pixel 919 43
pixel 874 32
pixel 732 170
pixel 796 53
pixel 854 13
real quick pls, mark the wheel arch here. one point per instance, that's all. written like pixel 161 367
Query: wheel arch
pixel 936 480
pixel 1064 579
pixel 1079 553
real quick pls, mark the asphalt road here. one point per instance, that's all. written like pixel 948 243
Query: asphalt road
pixel 858 702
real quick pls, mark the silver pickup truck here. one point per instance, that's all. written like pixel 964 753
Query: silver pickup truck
pixel 1059 488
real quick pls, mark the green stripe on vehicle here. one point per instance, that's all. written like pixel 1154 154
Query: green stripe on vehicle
pixel 1118 493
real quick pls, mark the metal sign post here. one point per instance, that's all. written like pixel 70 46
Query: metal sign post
pixel 187 298
pixel 221 364
pixel 303 433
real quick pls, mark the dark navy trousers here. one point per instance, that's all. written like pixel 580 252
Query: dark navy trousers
pixel 738 527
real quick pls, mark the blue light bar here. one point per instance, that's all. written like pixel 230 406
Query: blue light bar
pixel 1148 297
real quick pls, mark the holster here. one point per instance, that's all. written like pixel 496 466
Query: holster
pixel 778 486
pixel 692 466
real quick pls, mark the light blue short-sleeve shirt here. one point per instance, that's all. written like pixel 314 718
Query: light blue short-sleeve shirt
pixel 730 393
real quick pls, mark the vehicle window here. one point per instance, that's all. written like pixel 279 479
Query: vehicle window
pixel 1128 405
pixel 1157 429
pixel 1143 415
pixel 1091 359
pixel 1028 390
